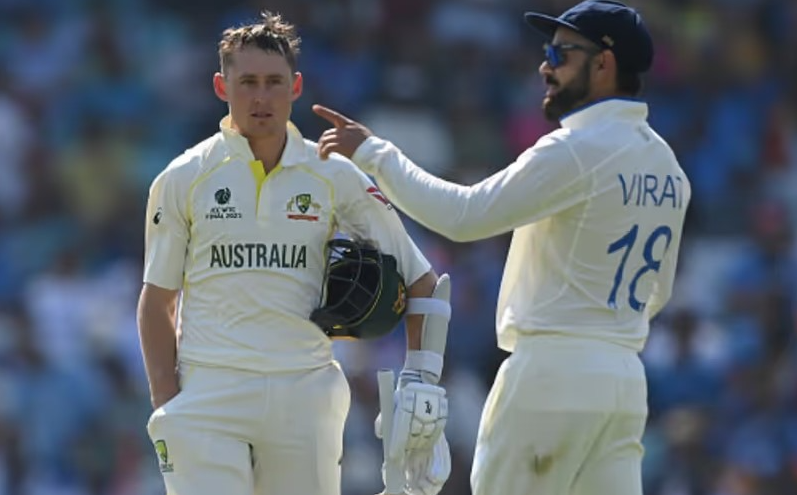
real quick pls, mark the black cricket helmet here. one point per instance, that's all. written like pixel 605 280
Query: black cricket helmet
pixel 364 296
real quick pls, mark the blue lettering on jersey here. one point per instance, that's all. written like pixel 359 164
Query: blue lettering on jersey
pixel 652 190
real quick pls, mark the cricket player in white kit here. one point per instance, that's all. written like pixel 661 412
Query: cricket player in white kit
pixel 247 397
pixel 597 209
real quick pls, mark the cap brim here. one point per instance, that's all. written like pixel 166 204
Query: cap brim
pixel 546 25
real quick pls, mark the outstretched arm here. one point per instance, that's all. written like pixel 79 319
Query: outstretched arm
pixel 544 180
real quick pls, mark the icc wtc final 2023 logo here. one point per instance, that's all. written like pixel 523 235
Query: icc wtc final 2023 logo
pixel 223 196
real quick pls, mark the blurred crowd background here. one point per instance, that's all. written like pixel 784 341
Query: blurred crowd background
pixel 97 96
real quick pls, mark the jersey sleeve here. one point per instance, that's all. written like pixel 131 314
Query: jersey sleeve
pixel 365 214
pixel 166 233
pixel 544 180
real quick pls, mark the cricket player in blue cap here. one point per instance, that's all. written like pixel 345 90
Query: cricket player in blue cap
pixel 597 209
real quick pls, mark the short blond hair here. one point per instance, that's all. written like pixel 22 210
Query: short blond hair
pixel 271 34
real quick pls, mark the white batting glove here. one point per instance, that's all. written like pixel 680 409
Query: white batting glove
pixel 428 470
pixel 421 410
pixel 419 417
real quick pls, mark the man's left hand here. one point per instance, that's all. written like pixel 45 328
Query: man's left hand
pixel 344 138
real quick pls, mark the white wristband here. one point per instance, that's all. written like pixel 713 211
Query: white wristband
pixel 425 361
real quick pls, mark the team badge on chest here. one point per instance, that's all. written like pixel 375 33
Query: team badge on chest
pixel 302 207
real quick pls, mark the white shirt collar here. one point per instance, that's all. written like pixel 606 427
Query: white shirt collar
pixel 295 152
pixel 618 108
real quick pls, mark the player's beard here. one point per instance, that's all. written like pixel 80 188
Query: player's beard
pixel 568 97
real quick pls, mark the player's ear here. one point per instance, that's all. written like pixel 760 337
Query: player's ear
pixel 605 68
pixel 298 84
pixel 220 86
pixel 606 61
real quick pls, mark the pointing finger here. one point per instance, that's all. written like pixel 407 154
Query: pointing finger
pixel 331 116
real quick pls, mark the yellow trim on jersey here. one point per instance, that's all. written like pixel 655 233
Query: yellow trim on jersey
pixel 256 166
pixel 331 187
pixel 259 173
pixel 273 171
pixel 197 181
pixel 260 177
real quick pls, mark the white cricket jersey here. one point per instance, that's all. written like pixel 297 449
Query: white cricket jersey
pixel 248 249
pixel 597 208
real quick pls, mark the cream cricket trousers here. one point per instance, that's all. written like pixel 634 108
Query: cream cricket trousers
pixel 564 417
pixel 232 432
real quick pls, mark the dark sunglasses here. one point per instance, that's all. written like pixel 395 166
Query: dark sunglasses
pixel 556 55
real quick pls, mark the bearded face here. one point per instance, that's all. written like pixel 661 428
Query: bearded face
pixel 562 98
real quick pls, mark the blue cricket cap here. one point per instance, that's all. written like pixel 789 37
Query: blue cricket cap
pixel 609 24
